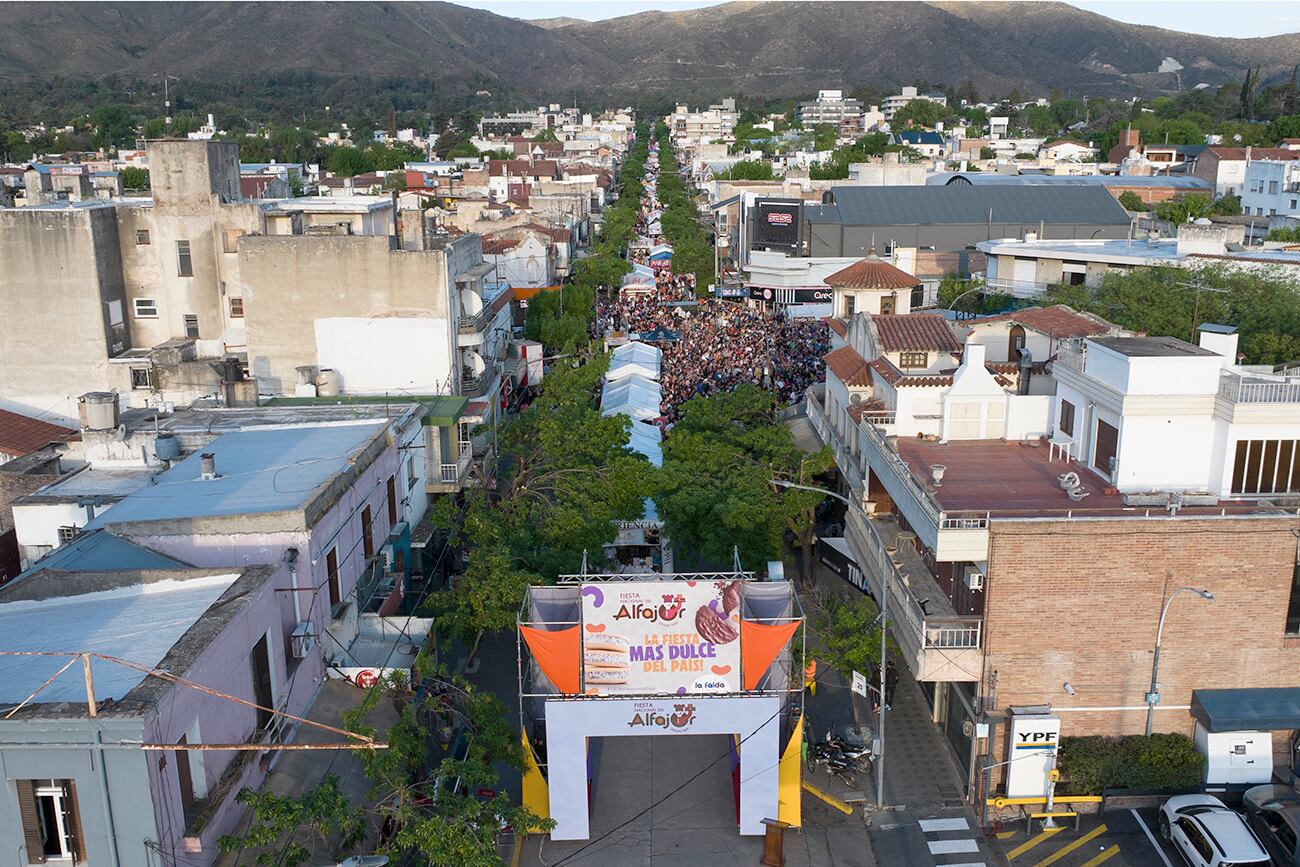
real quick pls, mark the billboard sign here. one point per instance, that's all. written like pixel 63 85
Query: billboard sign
pixel 777 223
pixel 661 637
pixel 799 295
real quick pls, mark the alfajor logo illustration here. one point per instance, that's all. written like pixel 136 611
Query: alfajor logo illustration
pixel 650 716
pixel 661 637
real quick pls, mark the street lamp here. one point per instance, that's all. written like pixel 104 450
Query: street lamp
pixel 1153 697
pixel 884 626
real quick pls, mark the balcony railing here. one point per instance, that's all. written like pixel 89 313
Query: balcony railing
pixel 958 634
pixel 1018 288
pixel 900 471
pixel 880 417
pixel 477 386
pixel 1240 389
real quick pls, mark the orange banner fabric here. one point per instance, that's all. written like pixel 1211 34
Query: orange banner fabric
pixel 558 653
pixel 759 645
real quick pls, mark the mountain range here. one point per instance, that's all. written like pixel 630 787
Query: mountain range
pixel 755 48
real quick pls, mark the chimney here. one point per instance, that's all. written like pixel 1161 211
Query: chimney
pixel 208 467
pixel 1247 153
pixel 974 355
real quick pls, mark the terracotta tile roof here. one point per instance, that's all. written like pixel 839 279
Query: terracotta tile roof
pixel 537 168
pixel 871 273
pixel 555 234
pixel 848 366
pixel 1255 153
pixel 837 325
pixel 495 246
pixel 856 410
pixel 915 332
pixel 889 373
pixel 1067 141
pixel 1055 321
pixel 20 435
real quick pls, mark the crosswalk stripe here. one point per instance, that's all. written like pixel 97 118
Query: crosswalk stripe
pixel 966 864
pixel 1032 842
pixel 1109 853
pixel 932 825
pixel 951 847
pixel 1070 847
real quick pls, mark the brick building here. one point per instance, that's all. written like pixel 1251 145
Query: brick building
pixel 1031 523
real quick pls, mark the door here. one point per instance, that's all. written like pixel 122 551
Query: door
pixel 1016 340
pixel 367 533
pixel 392 502
pixel 185 779
pixel 262 695
pixel 1107 444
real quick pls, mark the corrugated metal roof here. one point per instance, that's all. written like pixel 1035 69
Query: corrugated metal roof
pixel 1183 182
pixel 960 204
pixel 101 551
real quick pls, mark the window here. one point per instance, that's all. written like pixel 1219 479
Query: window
pixel 849 302
pixel 1107 446
pixel 141 378
pixel 1067 418
pixel 1196 839
pixel 142 237
pixel 236 308
pixel 367 533
pixel 913 360
pixel 145 308
pixel 263 695
pixel 51 820
pixel 1266 467
pixel 887 306
pixel 230 240
pixel 918 297
pixel 191 325
pixel 1272 188
pixel 332 570
pixel 67 534
pixel 184 264
pixel 411 475
pixel 392 501
pixel 185 779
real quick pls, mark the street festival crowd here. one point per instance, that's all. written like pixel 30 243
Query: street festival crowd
pixel 722 343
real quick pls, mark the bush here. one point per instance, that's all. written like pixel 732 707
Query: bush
pixel 1090 765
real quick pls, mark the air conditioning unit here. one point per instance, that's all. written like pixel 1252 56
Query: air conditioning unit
pixel 974 580
pixel 300 642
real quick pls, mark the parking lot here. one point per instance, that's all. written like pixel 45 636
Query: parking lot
pixel 1118 838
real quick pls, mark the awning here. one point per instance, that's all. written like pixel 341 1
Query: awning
pixel 1243 710
pixel 444 411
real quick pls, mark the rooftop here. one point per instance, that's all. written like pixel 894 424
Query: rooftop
pixel 915 332
pixel 130 617
pixel 1055 321
pixel 20 434
pixel 333 204
pixel 964 204
pixel 871 273
pixel 1150 347
pixel 101 551
pixel 260 471
pixel 102 484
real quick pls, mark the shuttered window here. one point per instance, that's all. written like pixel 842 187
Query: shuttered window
pixel 51 821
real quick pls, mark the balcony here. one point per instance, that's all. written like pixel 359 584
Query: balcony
pixel 1258 397
pixel 938 644
pixel 452 477
pixel 1017 288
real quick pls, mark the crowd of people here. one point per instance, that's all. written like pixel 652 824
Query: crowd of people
pixel 719 345
pixel 709 345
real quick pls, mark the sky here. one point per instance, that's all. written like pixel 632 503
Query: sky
pixel 1211 17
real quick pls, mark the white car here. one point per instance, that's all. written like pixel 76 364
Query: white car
pixel 1207 834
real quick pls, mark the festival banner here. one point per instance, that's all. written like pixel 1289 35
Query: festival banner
pixel 661 637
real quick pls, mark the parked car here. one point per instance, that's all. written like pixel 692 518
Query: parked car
pixel 1207 834
pixel 1274 814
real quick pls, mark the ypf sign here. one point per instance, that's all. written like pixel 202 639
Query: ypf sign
pixel 1035 739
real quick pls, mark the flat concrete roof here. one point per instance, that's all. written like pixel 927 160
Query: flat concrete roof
pixel 1150 347
pixel 276 412
pixel 260 471
pixel 1119 249
pixel 138 621
pixel 101 483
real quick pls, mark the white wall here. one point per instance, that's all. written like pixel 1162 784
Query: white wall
pixel 1029 415
pixel 375 355
pixel 37 525
pixel 1165 453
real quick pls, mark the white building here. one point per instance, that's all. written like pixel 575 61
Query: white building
pixel 893 103
pixel 830 106
pixel 1272 188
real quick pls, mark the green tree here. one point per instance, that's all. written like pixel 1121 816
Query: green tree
pixel 547 134
pixel 134 179
pixel 323 812
pixel 348 162
pixel 919 112
pixel 1132 201
pixel 749 170
pixel 848 632
pixel 113 127
pixel 1227 206
pixel 1288 235
pixel 1184 208
pixel 1287 126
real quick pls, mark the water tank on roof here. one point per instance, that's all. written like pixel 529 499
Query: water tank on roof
pixel 328 383
pixel 99 410
pixel 166 447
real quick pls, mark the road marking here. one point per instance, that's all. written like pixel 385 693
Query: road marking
pixel 966 864
pixel 931 825
pixel 1005 835
pixel 1032 842
pixel 1070 847
pixel 1151 837
pixel 1112 851
pixel 952 847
